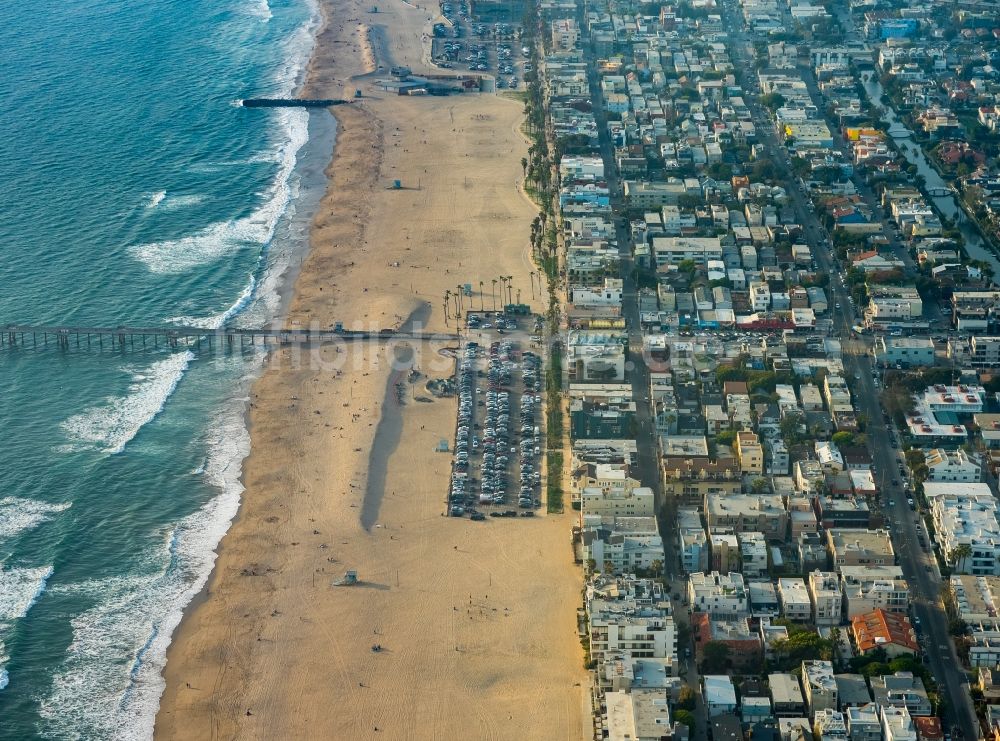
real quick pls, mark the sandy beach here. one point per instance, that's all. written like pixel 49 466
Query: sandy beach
pixel 477 620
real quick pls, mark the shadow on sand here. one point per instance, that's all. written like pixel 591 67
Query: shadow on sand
pixel 390 427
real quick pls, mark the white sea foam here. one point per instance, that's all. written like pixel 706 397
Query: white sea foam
pixel 218 320
pixel 110 426
pixel 227 237
pixel 156 198
pixel 259 9
pixel 257 229
pixel 20 515
pixel 20 588
pixel 175 202
pixel 109 686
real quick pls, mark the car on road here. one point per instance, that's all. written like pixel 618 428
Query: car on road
pixel 895 482
pixel 838 305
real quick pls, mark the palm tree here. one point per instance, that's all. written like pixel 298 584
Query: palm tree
pixel 959 553
pixel 494 293
pixel 531 275
pixel 510 278
pixel 482 298
pixel 447 299
pixel 524 165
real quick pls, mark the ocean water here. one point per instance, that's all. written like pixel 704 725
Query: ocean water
pixel 133 190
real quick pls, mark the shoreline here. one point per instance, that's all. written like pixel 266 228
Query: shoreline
pixel 254 653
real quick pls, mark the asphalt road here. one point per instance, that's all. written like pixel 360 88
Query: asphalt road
pixel 918 564
pixel 636 371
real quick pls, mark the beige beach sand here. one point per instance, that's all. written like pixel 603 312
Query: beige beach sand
pixel 478 620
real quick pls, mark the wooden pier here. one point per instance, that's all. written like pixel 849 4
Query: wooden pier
pixel 292 102
pixel 224 339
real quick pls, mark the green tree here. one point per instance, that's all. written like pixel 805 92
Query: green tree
pixel 715 657
pixel 726 437
pixel 875 669
pixel 759 486
pixel 791 428
pixel 774 101
pixel 687 718
pixel 687 698
pixel 842 438
pixel 959 553
pixel 802 645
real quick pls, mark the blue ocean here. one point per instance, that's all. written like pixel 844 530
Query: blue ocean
pixel 133 190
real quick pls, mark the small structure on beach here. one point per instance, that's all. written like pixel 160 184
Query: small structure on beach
pixel 350 578
pixel 442 446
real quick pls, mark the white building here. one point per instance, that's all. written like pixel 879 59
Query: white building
pixel 617 502
pixel 863 723
pixel 965 515
pixel 763 599
pixel 720 694
pixel 829 725
pixel 753 554
pixel 952 465
pixel 820 686
pixel 625 544
pixel 907 352
pixel 644 631
pixel 565 34
pixel 976 599
pixel 760 296
pixel 608 296
pixel 829 456
pixel 573 167
pixel 897 725
pixel 960 399
pixel 720 595
pixel 595 357
pixel 869 587
pixel 639 715
pixel 694 541
pixel 675 250
pixel 795 603
pixel 827 600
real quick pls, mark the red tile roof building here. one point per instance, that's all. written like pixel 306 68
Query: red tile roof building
pixel 888 630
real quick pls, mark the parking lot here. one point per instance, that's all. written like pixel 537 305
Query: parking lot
pixel 478 47
pixel 497 456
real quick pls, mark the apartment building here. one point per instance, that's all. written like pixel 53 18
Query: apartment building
pixel 965 516
pixel 617 502
pixel 795 603
pixel 749 453
pixel 857 547
pixel 819 685
pixel 867 588
pixel 826 597
pixel 720 595
pixel 748 513
pixel 952 465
